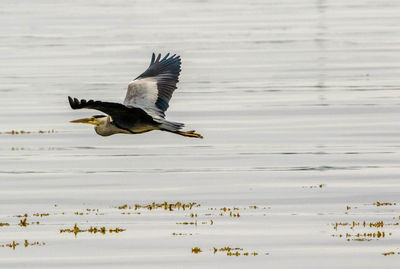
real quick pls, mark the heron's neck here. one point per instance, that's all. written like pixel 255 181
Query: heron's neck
pixel 105 127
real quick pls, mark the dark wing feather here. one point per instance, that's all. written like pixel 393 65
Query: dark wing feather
pixel 123 116
pixel 166 72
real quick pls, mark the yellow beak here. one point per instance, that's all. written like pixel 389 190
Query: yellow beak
pixel 90 120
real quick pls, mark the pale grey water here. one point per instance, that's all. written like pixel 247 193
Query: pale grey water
pixel 288 95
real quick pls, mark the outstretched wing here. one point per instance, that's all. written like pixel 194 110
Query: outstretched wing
pixel 123 116
pixel 153 89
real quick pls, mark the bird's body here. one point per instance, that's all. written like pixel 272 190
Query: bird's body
pixel 144 107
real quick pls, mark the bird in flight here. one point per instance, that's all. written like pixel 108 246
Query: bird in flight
pixel 145 103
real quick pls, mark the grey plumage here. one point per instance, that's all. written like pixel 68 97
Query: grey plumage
pixel 167 73
pixel 147 98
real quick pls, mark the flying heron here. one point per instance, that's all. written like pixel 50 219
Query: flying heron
pixel 145 103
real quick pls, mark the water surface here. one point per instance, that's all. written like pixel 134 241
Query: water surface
pixel 298 102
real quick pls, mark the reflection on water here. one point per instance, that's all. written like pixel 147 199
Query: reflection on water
pixel 298 103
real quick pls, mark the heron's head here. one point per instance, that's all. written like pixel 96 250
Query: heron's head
pixel 94 120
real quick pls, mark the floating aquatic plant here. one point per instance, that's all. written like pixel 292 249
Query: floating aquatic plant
pixel 23 222
pixel 390 253
pixel 383 204
pixel 21 132
pixel 41 214
pixel 14 244
pixel 166 206
pixel 181 233
pixel 102 230
pixel 356 235
pixel 319 186
pixel 196 250
pixel 235 251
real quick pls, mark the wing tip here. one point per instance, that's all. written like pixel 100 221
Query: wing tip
pixel 75 103
pixel 166 57
pixel 72 102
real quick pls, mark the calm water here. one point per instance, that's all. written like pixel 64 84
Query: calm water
pixel 298 102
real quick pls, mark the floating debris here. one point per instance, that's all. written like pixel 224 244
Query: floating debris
pixel 390 253
pixel 41 214
pixel 4 224
pixel 80 213
pixel 116 230
pixel 125 206
pixel 36 243
pixel 75 230
pixel 23 222
pixel 357 233
pixel 232 209
pixel 196 250
pixel 319 186
pixel 230 251
pixel 383 204
pixel 21 132
pixel 125 213
pixel 103 230
pixel 362 236
pixel 14 244
pixel 188 223
pixel 233 212
pixel 225 249
pixel 30 149
pixel 182 234
pixel 166 206
pixel 237 215
pixel 352 225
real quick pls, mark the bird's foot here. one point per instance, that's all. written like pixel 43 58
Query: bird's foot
pixel 190 134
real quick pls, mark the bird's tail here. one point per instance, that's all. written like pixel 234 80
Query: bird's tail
pixel 175 127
